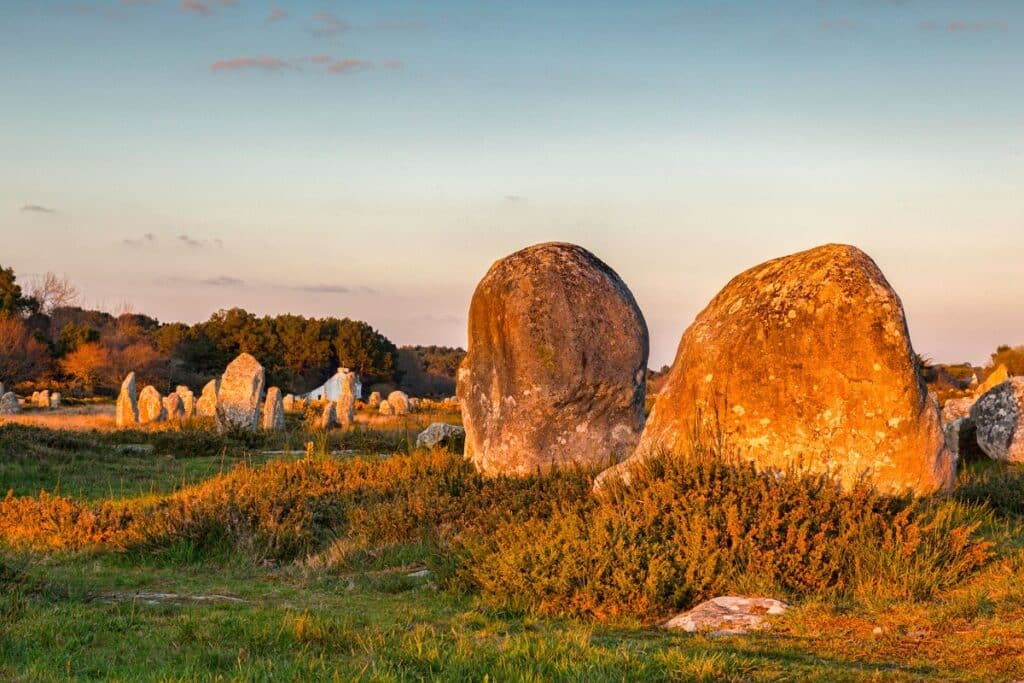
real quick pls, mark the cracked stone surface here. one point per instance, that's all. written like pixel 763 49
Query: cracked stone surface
pixel 804 361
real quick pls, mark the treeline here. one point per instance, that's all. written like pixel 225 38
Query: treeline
pixel 49 339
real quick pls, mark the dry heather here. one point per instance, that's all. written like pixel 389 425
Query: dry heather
pixel 689 528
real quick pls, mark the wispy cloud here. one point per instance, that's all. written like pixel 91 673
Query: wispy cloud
pixel 331 65
pixel 964 26
pixel 222 281
pixel 255 63
pixel 324 288
pixel 36 208
pixel 196 7
pixel 277 14
pixel 345 66
pixel 839 25
pixel 147 239
pixel 327 25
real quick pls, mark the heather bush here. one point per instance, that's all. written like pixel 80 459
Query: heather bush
pixel 693 527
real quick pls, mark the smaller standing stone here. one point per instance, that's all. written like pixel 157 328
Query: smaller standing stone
pixel 414 404
pixel 399 401
pixel 374 400
pixel 43 399
pixel 206 406
pixel 288 403
pixel 188 401
pixel 346 409
pixel 9 404
pixel 328 417
pixel 151 406
pixel 55 400
pixel 127 414
pixel 174 409
pixel 385 408
pixel 273 411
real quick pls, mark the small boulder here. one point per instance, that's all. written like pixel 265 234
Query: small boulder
pixel 399 401
pixel 206 406
pixel 385 408
pixel 127 411
pixel 999 418
pixel 43 399
pixel 440 434
pixel 151 406
pixel 239 395
pixel 273 411
pixel 9 404
pixel 288 403
pixel 55 400
pixel 374 400
pixel 729 615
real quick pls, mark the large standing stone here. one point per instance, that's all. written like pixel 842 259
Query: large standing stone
pixel 127 412
pixel 188 401
pixel 9 404
pixel 206 406
pixel 238 399
pixel 399 401
pixel 174 409
pixel 273 410
pixel 151 406
pixel 804 361
pixel 998 417
pixel 555 372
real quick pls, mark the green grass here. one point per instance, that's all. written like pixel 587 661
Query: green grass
pixel 354 613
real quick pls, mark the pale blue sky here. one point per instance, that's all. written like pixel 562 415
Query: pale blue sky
pixel 373 159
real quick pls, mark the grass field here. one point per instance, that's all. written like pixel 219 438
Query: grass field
pixel 369 597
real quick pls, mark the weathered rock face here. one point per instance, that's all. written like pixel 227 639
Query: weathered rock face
pixel 962 440
pixel 399 401
pixel 188 401
pixel 374 400
pixel 127 411
pixel 151 406
pixel 206 406
pixel 555 372
pixel 805 361
pixel 273 410
pixel 174 409
pixel 385 408
pixel 440 434
pixel 239 395
pixel 999 419
pixel 9 404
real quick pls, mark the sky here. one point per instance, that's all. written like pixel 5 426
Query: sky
pixel 371 160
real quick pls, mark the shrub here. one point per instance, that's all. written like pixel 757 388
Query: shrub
pixel 694 527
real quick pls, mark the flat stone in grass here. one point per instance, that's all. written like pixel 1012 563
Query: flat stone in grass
pixel 728 615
